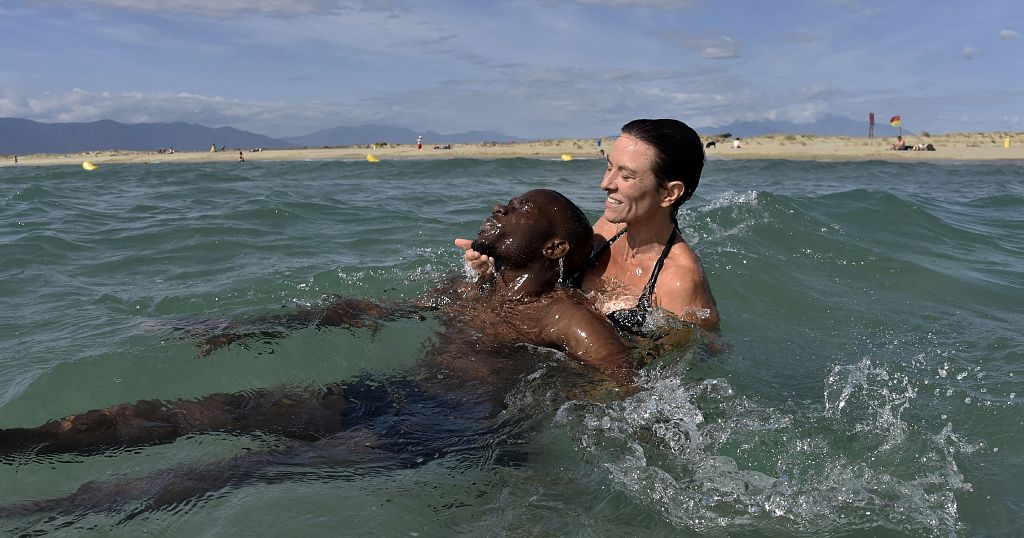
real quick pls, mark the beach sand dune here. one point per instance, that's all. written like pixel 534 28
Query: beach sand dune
pixel 957 147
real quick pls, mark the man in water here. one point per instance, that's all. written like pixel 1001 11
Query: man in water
pixel 538 241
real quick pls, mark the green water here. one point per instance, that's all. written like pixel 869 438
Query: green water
pixel 872 309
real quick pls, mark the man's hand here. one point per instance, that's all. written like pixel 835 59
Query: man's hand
pixel 481 263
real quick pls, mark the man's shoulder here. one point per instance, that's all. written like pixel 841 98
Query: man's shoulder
pixel 567 309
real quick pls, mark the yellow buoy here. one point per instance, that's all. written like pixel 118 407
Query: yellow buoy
pixel 89 166
pixel 566 157
pixel 371 158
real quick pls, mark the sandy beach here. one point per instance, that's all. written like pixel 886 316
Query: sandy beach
pixel 956 147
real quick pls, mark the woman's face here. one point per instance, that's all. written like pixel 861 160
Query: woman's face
pixel 633 191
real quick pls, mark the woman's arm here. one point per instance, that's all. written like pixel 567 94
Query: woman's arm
pixel 684 290
pixel 481 263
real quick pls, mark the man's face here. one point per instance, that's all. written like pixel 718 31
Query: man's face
pixel 515 232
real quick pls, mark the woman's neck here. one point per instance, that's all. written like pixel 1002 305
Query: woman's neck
pixel 642 234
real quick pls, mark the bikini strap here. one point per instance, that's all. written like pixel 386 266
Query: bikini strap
pixel 608 243
pixel 648 294
pixel 577 279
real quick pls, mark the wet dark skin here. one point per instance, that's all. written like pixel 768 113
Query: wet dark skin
pixel 530 239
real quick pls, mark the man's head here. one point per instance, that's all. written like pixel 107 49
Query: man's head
pixel 534 227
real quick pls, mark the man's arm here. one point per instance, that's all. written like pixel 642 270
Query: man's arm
pixel 340 312
pixel 589 337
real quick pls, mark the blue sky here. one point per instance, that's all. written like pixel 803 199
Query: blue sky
pixel 529 68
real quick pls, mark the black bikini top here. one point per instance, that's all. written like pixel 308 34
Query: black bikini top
pixel 632 320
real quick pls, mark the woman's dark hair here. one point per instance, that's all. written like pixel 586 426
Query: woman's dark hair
pixel 678 152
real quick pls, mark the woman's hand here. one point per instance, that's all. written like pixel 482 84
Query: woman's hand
pixel 481 263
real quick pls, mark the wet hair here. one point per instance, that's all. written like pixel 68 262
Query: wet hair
pixel 575 228
pixel 678 153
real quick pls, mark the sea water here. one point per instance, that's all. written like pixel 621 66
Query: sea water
pixel 870 385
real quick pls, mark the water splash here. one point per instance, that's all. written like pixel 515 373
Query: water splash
pixel 706 458
pixel 885 395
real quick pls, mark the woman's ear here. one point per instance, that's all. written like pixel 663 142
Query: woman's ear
pixel 671 192
pixel 555 248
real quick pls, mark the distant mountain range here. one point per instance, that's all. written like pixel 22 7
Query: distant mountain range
pixel 826 126
pixel 26 136
pixel 20 136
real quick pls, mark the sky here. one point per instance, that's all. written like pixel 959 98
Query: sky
pixel 527 68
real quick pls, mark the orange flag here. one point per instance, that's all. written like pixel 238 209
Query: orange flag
pixel 895 121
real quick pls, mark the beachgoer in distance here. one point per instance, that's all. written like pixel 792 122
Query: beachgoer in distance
pixel 536 241
pixel 241 158
pixel 641 261
pixel 736 144
pixel 899 145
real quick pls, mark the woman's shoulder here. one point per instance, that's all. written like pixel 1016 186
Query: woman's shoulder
pixel 606 229
pixel 683 258
pixel 683 274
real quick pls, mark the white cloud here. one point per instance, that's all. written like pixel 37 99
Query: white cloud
pixel 970 53
pixel 137 107
pixel 1008 35
pixel 713 48
pixel 819 91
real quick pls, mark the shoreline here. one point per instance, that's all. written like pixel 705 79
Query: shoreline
pixel 949 147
